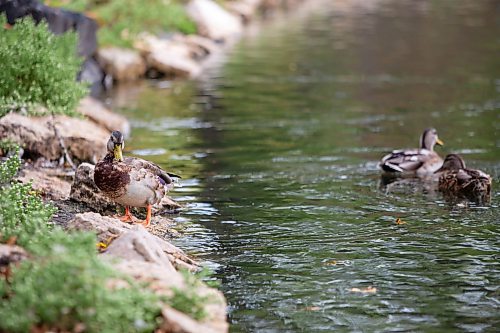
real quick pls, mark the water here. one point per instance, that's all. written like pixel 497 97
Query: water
pixel 278 148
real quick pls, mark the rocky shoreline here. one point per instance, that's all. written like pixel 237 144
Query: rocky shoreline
pixel 59 154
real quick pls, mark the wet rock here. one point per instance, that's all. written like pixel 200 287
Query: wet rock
pixel 139 245
pixel 95 111
pixel 121 64
pixel 51 183
pixel 177 322
pixel 213 21
pixel 168 56
pixel 43 136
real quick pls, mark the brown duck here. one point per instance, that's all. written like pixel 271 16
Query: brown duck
pixel 421 161
pixel 456 180
pixel 130 181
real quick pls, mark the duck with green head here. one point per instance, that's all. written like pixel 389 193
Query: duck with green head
pixel 131 181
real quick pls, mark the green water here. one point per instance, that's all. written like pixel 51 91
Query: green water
pixel 278 147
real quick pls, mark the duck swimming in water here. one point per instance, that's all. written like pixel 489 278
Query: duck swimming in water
pixel 422 161
pixel 131 181
pixel 458 181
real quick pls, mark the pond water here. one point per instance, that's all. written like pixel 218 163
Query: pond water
pixel 278 147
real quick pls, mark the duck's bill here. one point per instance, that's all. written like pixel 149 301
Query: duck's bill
pixel 439 142
pixel 118 153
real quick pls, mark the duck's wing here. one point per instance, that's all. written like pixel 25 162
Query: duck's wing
pixel 165 178
pixel 407 160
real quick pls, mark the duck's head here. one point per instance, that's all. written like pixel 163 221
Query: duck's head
pixel 429 139
pixel 452 162
pixel 116 143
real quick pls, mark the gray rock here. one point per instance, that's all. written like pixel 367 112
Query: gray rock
pixel 121 64
pixel 84 140
pixel 139 245
pixel 109 229
pixel 213 21
pixel 246 9
pixel 168 56
pixel 52 183
pixel 106 228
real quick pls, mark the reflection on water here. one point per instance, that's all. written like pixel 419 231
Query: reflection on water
pixel 279 158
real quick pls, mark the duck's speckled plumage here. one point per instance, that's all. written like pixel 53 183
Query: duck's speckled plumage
pixel 457 180
pixel 130 181
pixel 421 161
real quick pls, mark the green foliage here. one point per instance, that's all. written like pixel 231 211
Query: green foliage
pixel 9 167
pixel 122 20
pixel 23 214
pixel 187 300
pixel 64 284
pixel 68 285
pixel 38 69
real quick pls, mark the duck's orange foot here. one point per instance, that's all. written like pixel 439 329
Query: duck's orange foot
pixel 147 221
pixel 127 217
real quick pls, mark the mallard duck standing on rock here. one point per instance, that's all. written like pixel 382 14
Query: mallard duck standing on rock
pixel 130 181
pixel 456 180
pixel 422 161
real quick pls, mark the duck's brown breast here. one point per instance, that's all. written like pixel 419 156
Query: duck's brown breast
pixel 112 177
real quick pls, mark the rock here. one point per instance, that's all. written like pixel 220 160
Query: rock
pixel 84 140
pixel 213 21
pixel 200 47
pixel 121 64
pixel 11 254
pixel 85 191
pixel 51 183
pixel 99 114
pixel 108 228
pixel 246 9
pixel 168 56
pixel 139 245
pixel 175 321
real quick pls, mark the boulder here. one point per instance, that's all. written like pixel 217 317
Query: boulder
pixel 213 21
pixel 246 9
pixel 139 245
pixel 109 228
pixel 50 182
pixel 200 47
pixel 106 228
pixel 121 64
pixel 175 321
pixel 95 111
pixel 168 56
pixel 44 136
pixel 162 280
